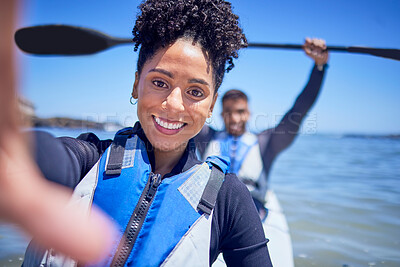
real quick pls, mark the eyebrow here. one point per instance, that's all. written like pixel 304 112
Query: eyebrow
pixel 165 72
pixel 169 74
pixel 201 81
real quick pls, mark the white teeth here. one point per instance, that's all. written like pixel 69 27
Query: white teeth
pixel 169 126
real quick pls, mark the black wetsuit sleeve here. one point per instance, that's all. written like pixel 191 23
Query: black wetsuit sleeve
pixel 236 230
pixel 284 133
pixel 203 138
pixel 66 160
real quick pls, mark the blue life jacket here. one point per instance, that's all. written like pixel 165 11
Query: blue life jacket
pixel 245 160
pixel 164 222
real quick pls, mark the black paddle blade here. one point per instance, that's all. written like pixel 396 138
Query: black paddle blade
pixel 61 40
pixel 379 52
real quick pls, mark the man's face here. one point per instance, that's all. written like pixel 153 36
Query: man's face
pixel 236 114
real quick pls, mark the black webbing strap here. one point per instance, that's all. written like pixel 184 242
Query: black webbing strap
pixel 210 193
pixel 116 156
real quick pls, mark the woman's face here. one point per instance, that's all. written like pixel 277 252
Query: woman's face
pixel 175 93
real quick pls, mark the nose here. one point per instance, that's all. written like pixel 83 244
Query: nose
pixel 174 101
pixel 235 117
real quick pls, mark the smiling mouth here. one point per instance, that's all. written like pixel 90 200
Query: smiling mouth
pixel 235 126
pixel 168 125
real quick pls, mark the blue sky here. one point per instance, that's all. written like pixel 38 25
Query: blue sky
pixel 361 93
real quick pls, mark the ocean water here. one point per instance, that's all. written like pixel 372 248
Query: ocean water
pixel 341 197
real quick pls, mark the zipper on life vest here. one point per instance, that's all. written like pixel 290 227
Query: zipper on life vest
pixel 136 221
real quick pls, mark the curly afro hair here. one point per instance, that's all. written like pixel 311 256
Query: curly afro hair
pixel 211 23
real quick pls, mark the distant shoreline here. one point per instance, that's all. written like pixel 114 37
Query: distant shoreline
pixel 373 136
pixel 70 123
pixel 64 122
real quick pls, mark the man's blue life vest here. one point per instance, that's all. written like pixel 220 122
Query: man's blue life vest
pixel 164 222
pixel 245 160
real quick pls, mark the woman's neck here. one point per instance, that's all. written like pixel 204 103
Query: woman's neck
pixel 165 161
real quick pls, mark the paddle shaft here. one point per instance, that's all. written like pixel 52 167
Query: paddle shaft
pixel 117 41
pixel 380 52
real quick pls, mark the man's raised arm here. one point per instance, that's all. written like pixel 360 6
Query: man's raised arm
pixel 287 129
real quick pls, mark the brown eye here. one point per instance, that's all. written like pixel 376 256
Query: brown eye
pixel 160 84
pixel 195 92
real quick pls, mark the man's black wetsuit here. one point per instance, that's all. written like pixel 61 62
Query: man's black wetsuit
pixel 236 228
pixel 254 154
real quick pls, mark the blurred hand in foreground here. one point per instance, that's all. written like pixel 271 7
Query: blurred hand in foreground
pixel 26 198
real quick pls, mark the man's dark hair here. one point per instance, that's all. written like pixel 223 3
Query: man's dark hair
pixel 234 94
pixel 210 23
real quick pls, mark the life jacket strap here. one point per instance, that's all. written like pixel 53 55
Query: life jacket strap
pixel 210 193
pixel 116 156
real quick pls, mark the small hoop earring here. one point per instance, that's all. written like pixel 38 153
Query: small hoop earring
pixel 209 120
pixel 131 101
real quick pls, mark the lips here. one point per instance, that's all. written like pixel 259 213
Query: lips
pixel 168 127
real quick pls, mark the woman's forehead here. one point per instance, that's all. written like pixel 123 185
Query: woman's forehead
pixel 183 49
pixel 183 57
